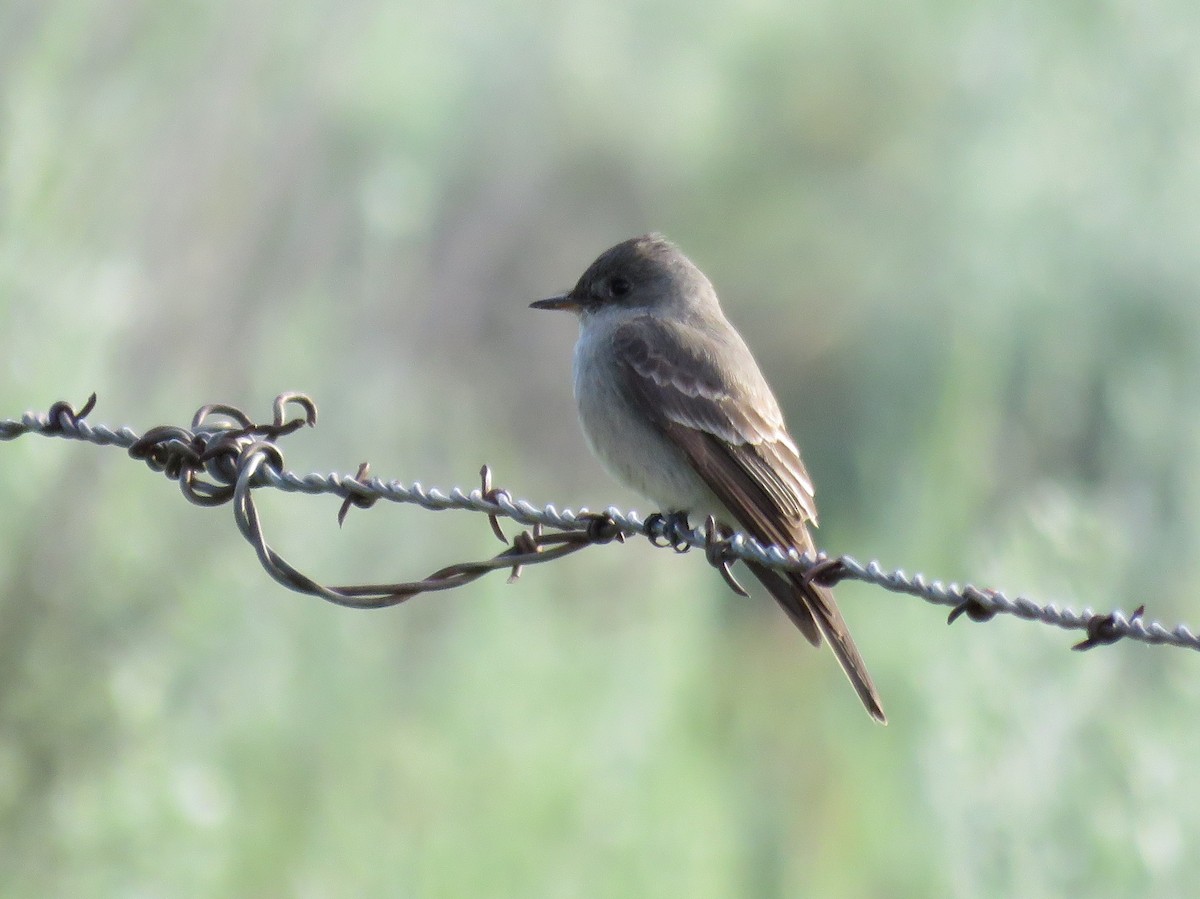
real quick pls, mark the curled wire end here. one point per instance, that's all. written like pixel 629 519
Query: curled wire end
pixel 353 499
pixel 306 404
pixel 1102 630
pixel 603 528
pixel 280 425
pixel 525 543
pixel 716 550
pixel 973 607
pixel 272 455
pixel 167 449
pixel 204 413
pixel 62 415
pixel 826 573
pixel 492 495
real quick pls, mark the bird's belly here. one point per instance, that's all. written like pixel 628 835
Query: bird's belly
pixel 634 451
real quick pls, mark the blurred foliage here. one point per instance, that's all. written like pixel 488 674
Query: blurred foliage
pixel 961 238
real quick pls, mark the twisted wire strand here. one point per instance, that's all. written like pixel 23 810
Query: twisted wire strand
pixel 224 456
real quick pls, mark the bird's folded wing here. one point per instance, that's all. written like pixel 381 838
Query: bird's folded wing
pixel 727 423
pixel 730 429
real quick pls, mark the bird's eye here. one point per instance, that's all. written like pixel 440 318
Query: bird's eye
pixel 618 287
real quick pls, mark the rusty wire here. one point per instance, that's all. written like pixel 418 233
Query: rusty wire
pixel 225 455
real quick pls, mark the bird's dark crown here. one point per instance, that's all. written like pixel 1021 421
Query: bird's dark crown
pixel 640 272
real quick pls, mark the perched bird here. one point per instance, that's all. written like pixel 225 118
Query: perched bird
pixel 674 405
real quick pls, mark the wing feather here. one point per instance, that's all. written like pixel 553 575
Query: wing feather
pixel 741 422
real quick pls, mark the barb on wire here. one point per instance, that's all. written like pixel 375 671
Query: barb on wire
pixel 224 456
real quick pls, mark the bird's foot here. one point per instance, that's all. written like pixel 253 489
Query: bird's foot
pixel 669 529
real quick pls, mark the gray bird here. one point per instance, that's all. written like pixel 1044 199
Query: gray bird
pixel 674 405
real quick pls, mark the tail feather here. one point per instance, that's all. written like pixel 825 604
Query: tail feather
pixel 833 627
pixel 813 610
pixel 784 592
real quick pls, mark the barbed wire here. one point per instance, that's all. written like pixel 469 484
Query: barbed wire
pixel 225 455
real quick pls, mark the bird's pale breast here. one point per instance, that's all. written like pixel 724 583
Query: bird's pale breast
pixel 632 450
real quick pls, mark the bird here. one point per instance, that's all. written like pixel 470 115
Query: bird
pixel 674 405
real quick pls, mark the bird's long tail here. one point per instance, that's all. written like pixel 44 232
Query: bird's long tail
pixel 813 610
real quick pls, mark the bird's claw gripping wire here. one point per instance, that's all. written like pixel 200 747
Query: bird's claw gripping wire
pixel 670 529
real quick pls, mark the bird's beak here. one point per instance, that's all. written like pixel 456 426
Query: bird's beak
pixel 562 301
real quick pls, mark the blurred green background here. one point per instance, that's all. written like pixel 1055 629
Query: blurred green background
pixel 962 239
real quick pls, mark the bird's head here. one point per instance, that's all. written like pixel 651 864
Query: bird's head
pixel 642 275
